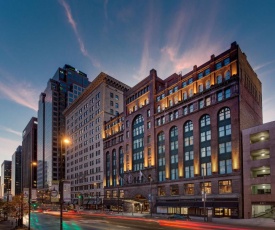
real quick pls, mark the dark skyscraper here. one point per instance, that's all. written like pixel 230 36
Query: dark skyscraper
pixel 65 86
pixel 6 178
pixel 29 153
pixel 16 172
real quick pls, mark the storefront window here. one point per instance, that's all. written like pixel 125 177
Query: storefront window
pixel 189 189
pixel 174 190
pixel 225 186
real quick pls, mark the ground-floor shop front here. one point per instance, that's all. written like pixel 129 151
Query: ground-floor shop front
pixel 229 208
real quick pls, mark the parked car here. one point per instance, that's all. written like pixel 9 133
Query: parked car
pixel 179 217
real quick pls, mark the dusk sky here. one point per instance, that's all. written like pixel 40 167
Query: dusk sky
pixel 124 39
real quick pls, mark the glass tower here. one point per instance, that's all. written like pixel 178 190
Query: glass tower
pixel 65 86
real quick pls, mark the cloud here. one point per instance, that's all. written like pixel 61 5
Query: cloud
pixel 72 22
pixel 146 62
pixel 175 56
pixel 11 131
pixel 19 92
pixel 263 65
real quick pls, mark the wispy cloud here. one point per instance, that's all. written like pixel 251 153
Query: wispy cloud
pixel 146 62
pixel 175 56
pixel 72 22
pixel 263 65
pixel 11 131
pixel 20 92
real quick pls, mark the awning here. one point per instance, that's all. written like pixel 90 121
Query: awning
pixel 225 204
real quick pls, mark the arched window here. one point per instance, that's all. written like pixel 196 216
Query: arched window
pixel 190 92
pixel 219 79
pixel 188 126
pixel 227 75
pixel 174 175
pixel 224 141
pixel 138 143
pixel 224 114
pixel 108 169
pixel 161 156
pixel 114 163
pixel 188 150
pixel 205 145
pixel 200 88
pixel 184 96
pixel 207 84
pixel 121 165
pixel 205 120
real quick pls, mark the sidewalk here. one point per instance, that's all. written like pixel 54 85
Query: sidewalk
pixel 9 225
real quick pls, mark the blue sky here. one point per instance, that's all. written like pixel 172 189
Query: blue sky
pixel 124 39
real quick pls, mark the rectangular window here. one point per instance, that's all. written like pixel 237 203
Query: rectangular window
pixel 201 103
pixel 161 191
pixel 225 186
pixel 219 96
pixel 218 65
pixel 226 61
pixel 148 124
pixel 191 108
pixel 208 101
pixel 189 189
pixel 200 75
pixel 206 187
pixel 206 72
pixel 174 190
pixel 227 93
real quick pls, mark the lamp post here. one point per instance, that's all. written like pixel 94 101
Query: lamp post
pixel 66 142
pixel 30 193
pixel 204 194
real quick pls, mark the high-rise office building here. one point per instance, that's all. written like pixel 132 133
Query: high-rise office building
pixel 85 119
pixel 29 153
pixel 65 86
pixel 6 178
pixel 16 172
pixel 182 146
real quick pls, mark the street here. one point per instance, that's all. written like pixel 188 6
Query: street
pixel 98 221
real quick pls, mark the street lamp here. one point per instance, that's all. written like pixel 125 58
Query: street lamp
pixel 66 142
pixel 204 194
pixel 30 193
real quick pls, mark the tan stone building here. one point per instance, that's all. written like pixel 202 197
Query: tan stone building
pixel 259 170
pixel 101 100
pixel 182 138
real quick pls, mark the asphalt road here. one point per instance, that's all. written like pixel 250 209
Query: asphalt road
pixel 77 221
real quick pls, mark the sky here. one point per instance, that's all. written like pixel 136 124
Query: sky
pixel 125 39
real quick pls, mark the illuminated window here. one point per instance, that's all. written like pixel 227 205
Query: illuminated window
pixel 189 189
pixel 207 187
pixel 225 186
pixel 161 191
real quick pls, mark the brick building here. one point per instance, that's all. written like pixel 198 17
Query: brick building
pixel 259 170
pixel 182 138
